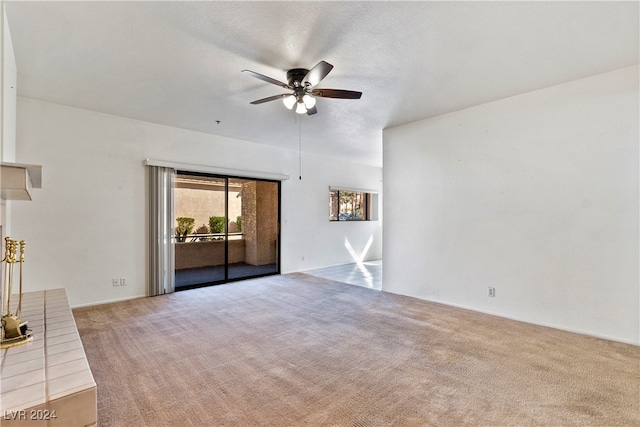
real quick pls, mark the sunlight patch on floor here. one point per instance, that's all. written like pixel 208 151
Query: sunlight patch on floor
pixel 367 274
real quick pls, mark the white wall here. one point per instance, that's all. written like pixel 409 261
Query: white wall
pixel 8 91
pixel 535 195
pixel 88 222
pixel 3 23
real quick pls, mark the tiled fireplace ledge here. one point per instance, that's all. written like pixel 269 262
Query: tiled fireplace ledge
pixel 47 382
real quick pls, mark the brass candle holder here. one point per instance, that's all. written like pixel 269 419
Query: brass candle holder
pixel 14 329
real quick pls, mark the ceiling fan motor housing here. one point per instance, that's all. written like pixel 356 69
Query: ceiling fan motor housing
pixel 296 75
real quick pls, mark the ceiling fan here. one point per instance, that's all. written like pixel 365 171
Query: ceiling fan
pixel 302 82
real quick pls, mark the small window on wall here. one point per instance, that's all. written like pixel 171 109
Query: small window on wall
pixel 349 205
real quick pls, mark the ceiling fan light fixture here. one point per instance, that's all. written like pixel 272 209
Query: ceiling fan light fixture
pixel 289 101
pixel 309 101
pixel 303 84
pixel 301 109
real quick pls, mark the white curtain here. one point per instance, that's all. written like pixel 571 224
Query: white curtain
pixel 161 255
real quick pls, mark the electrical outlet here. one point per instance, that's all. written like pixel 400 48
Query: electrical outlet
pixel 115 282
pixel 492 292
pixel 123 281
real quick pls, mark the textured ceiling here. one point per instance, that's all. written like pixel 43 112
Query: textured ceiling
pixel 179 63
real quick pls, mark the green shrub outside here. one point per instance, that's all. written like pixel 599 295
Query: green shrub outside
pixel 216 224
pixel 185 225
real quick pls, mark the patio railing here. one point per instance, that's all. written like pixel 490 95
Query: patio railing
pixel 189 238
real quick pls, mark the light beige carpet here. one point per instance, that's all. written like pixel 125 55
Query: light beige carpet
pixel 298 350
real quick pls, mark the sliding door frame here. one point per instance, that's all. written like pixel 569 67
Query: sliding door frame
pixel 226 179
pixel 161 262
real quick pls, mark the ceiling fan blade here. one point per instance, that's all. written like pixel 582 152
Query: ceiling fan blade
pixel 336 93
pixel 312 110
pixel 317 73
pixel 267 79
pixel 271 98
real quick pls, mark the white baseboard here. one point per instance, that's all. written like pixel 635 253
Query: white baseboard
pixel 546 325
pixel 108 301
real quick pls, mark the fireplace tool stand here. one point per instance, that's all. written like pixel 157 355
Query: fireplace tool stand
pixel 14 330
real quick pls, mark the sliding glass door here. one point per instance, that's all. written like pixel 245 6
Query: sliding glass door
pixel 227 229
pixel 254 244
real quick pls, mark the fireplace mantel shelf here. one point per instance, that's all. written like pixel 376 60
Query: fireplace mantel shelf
pixel 18 179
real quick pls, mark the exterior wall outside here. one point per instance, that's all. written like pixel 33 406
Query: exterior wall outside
pixel 207 254
pixel 256 201
pixel 534 195
pixel 200 204
pixel 260 221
